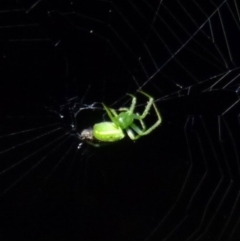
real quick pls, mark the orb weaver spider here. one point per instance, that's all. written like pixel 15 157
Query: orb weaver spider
pixel 105 132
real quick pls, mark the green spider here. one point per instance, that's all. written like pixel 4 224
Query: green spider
pixel 106 132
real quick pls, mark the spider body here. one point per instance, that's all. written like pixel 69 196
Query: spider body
pixel 121 123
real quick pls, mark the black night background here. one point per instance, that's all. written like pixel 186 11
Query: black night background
pixel 59 60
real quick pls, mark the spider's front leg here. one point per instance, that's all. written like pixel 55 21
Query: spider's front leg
pixel 148 106
pixel 110 112
pixel 132 106
pixel 134 128
pixel 146 111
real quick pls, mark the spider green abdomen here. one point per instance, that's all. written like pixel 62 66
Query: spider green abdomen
pixel 107 132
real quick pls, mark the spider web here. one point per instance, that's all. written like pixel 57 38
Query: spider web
pixel 60 60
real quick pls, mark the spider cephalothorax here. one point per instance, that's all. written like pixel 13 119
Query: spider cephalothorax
pixel 122 122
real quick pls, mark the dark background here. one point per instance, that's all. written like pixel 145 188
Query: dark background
pixel 179 183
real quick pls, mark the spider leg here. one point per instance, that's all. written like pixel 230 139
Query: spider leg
pixel 131 134
pixel 100 144
pixel 133 104
pixel 157 123
pixel 123 109
pixel 113 112
pixel 110 112
pixel 144 114
pixel 93 144
pixel 148 106
pixel 137 117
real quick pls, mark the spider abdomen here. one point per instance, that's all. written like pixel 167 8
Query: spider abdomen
pixel 107 132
